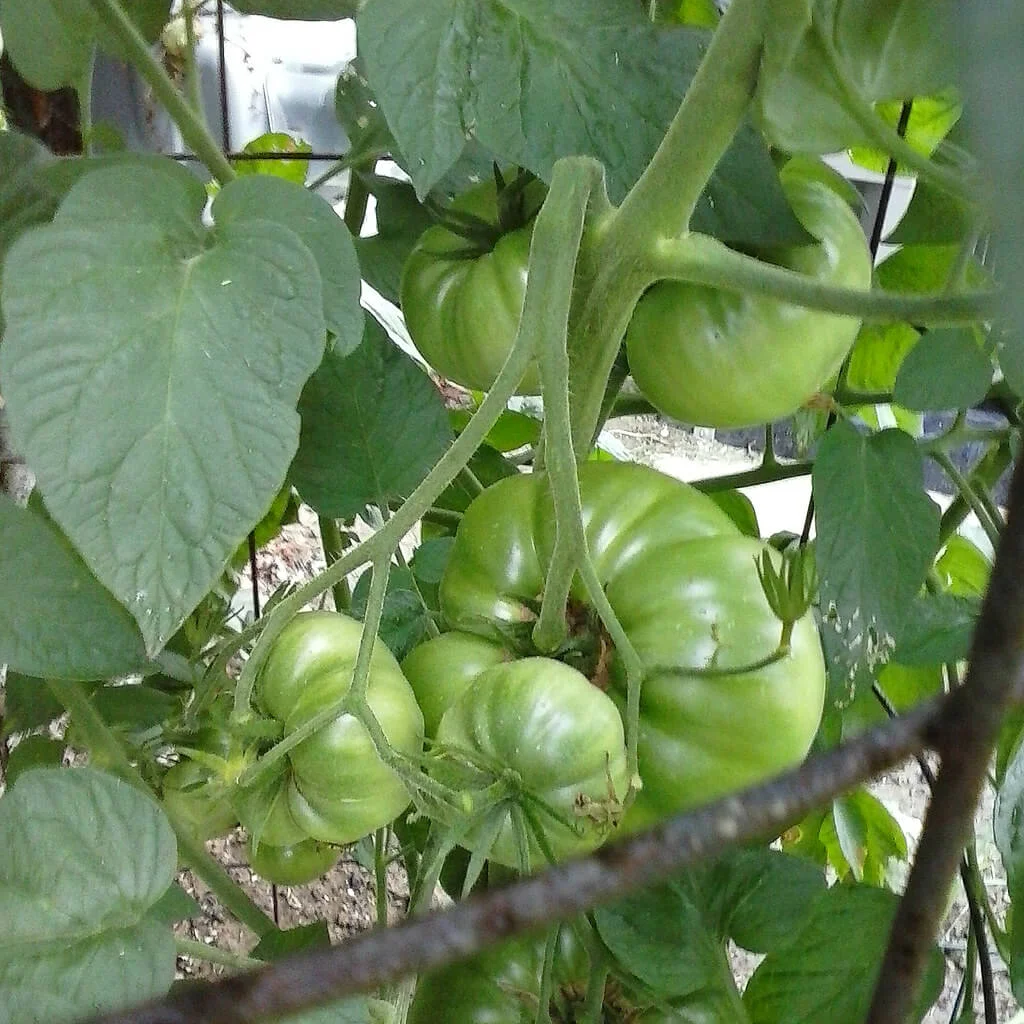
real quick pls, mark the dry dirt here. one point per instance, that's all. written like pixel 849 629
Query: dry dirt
pixel 345 897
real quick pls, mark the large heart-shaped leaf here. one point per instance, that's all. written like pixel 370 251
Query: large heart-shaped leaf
pixel 262 197
pixel 151 369
pixel 86 858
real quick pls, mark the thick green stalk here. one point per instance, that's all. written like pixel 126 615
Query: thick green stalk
pixel 380 874
pixel 355 204
pixel 766 473
pixel 700 259
pixel 334 547
pixel 611 276
pixel 102 741
pixel 193 88
pixel 371 623
pixel 970 493
pixel 558 247
pixel 193 131
pixel 662 201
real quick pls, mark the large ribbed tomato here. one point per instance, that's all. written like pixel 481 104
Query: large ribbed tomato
pixel 684 585
pixel 336 788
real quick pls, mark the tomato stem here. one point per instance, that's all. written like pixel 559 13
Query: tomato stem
pixel 191 125
pixel 662 201
pixel 701 259
pixel 547 978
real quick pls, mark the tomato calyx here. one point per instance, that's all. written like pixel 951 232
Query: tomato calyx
pixel 482 235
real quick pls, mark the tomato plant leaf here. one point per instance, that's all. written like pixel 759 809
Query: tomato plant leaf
pixel 828 970
pixel 373 425
pixel 877 355
pixel 761 896
pixel 356 1010
pixel 29 704
pixel 877 533
pixel 400 222
pixel 151 370
pixel 51 41
pixel 962 567
pixel 267 198
pixel 55 617
pixel 862 837
pixel 175 905
pixel 934 217
pixel 946 369
pixel 895 49
pixel 280 942
pixel 938 629
pixel 536 80
pixel 78 838
pixel 33 752
pixel 660 936
pixel 405 619
pixel 299 10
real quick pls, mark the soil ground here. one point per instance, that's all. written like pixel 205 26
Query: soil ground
pixel 345 896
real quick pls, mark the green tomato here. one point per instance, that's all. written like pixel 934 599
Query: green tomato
pixel 462 311
pixel 296 864
pixel 193 796
pixel 561 736
pixel 441 669
pixel 683 583
pixel 733 359
pixel 338 789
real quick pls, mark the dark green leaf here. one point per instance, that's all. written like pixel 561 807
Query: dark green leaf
pixel 300 10
pixel 175 905
pixel 55 618
pixel 430 560
pixel 400 222
pixel 86 858
pixel 51 41
pixel 934 217
pixel 549 79
pixel 281 942
pixel 29 704
pixel 828 971
pixel 135 707
pixel 896 49
pixel 373 425
pixel 877 536
pixel 196 345
pixel 323 232
pixel 488 466
pixel 34 752
pixel 358 112
pixel 405 621
pixel 947 369
pixel 740 509
pixel 768 896
pixel 938 629
pixel 659 936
